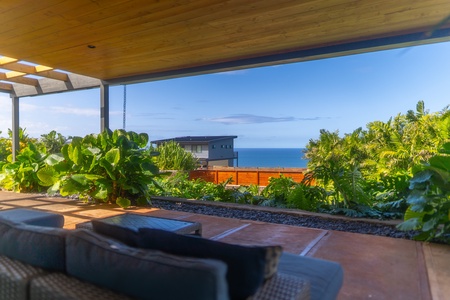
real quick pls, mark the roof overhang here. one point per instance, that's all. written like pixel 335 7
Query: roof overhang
pixel 122 41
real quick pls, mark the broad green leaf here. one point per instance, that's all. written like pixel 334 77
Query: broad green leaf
pixel 417 199
pixel 100 193
pixel 123 202
pixel 77 156
pixel 410 224
pixel 54 188
pixel 70 187
pixel 410 214
pixel 53 159
pixel 65 152
pixel 430 224
pixel 47 175
pixel 93 163
pixel 108 168
pixel 143 140
pixel 113 156
pixel 92 177
pixel 446 148
pixel 103 137
pixel 420 178
pixel 441 162
pixel 80 178
pixel 93 150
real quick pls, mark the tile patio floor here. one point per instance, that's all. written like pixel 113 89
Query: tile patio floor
pixel 374 267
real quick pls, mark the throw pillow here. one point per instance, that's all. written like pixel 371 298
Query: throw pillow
pixel 247 266
pixel 143 273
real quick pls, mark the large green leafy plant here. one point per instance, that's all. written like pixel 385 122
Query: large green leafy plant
pixel 21 175
pixel 429 201
pixel 171 156
pixel 111 167
pixel 367 172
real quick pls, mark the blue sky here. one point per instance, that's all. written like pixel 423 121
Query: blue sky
pixel 272 107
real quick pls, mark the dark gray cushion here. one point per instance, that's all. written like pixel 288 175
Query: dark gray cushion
pixel 35 245
pixel 246 265
pixel 5 225
pixel 120 233
pixel 33 217
pixel 140 273
pixel 325 277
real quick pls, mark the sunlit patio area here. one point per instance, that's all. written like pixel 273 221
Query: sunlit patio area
pixel 374 267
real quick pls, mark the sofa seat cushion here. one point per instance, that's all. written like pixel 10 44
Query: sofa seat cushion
pixel 56 285
pixel 38 246
pixel 15 277
pixel 33 217
pixel 248 266
pixel 140 273
pixel 325 277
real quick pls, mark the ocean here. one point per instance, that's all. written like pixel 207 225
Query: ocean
pixel 270 157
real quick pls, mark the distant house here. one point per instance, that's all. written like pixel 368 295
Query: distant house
pixel 210 150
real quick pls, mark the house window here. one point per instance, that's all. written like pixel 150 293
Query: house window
pixel 214 146
pixel 196 148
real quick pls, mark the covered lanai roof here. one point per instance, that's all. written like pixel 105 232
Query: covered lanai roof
pixel 123 41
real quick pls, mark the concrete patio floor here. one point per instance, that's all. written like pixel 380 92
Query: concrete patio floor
pixel 374 267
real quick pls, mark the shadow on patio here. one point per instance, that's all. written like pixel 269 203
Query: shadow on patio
pixel 374 267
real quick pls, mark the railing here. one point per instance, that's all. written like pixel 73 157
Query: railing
pixel 246 176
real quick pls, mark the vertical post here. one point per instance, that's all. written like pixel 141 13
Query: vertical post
pixel 104 106
pixel 124 105
pixel 15 126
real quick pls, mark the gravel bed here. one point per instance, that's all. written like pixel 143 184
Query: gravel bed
pixel 285 219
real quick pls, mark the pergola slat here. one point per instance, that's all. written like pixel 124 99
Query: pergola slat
pixel 44 71
pixel 6 87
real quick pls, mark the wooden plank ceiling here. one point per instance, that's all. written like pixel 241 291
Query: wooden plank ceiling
pixel 121 41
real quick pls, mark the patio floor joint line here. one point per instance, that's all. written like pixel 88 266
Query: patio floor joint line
pixel 313 243
pixel 228 232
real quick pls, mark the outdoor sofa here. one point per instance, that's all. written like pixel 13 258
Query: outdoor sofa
pixel 41 260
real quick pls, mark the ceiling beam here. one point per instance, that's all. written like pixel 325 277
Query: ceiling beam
pixel 322 52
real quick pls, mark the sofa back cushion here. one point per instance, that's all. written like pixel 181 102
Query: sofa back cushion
pixel 248 266
pixel 143 273
pixel 123 234
pixel 35 245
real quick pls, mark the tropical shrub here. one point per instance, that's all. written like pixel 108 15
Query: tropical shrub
pixel 367 172
pixel 429 200
pixel 177 184
pixel 4 145
pixel 306 197
pixel 110 167
pixel 278 190
pixel 173 157
pixel 53 141
pixel 21 175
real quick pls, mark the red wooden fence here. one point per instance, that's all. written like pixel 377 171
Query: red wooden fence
pixel 247 176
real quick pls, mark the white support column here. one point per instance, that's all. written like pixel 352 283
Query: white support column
pixel 104 107
pixel 15 126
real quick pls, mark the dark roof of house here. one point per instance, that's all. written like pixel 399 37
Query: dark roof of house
pixel 196 139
